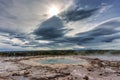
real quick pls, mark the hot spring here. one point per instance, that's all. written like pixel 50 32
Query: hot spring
pixel 61 61
pixel 56 61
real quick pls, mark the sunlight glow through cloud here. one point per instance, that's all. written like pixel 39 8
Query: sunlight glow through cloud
pixel 59 24
pixel 53 11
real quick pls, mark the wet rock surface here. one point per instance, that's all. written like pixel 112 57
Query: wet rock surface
pixel 13 69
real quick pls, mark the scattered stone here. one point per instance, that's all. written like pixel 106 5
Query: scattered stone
pixel 16 74
pixel 86 78
pixel 107 63
pixel 90 69
pixel 114 64
pixel 101 74
pixel 26 72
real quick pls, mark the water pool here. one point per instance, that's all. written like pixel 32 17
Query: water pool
pixel 61 61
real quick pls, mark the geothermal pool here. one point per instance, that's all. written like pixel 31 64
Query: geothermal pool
pixel 47 61
pixel 61 61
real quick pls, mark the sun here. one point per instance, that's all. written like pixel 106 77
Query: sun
pixel 53 11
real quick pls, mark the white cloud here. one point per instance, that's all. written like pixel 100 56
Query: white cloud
pixel 25 15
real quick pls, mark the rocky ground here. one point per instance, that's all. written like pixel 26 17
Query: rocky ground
pixel 11 68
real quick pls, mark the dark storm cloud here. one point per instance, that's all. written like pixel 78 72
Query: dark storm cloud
pixel 19 18
pixel 105 32
pixel 10 36
pixel 106 28
pixel 13 34
pixel 54 28
pixel 51 29
pixel 82 9
pixel 76 14
pixel 6 31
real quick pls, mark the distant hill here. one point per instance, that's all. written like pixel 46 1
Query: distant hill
pixel 58 52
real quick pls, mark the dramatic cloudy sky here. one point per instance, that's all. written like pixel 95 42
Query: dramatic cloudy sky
pixel 59 24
